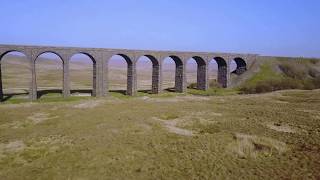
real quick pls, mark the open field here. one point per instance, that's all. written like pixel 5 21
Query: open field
pixel 269 136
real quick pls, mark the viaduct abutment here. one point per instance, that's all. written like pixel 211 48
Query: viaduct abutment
pixel 100 59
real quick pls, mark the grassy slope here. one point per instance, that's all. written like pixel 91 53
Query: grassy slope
pixel 283 73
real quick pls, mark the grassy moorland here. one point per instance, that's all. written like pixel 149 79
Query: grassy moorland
pixel 269 136
pixel 217 134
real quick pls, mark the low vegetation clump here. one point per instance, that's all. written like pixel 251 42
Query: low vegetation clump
pixel 215 89
pixel 213 92
pixel 212 84
pixel 246 146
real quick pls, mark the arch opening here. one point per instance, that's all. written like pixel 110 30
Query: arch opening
pixel 117 73
pixel 49 75
pixel 172 72
pixel 218 72
pixel 15 76
pixel 241 66
pixel 148 66
pixel 196 73
pixel 82 75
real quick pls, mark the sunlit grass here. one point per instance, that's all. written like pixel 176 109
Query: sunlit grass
pixel 121 132
pixel 213 92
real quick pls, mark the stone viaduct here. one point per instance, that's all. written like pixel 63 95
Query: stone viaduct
pixel 101 56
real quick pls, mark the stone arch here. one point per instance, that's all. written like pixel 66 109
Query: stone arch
pixel 153 59
pixel 126 57
pixel 201 72
pixel 241 66
pixel 11 51
pixel 130 89
pixel 200 61
pixel 7 96
pixel 222 71
pixel 49 89
pixel 177 60
pixel 155 87
pixel 179 73
pixel 48 52
pixel 92 91
pixel 86 54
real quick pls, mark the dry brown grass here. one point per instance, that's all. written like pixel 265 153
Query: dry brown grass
pixel 149 137
pixel 246 146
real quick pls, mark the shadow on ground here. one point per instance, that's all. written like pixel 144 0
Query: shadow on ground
pixel 7 97
pixel 41 93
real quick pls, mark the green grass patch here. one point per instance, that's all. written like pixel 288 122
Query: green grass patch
pixel 209 128
pixel 266 73
pixel 169 116
pixel 166 94
pixel 45 99
pixel 213 92
pixel 62 99
pixel 118 95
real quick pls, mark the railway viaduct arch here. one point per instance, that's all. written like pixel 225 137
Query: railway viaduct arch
pixel 101 56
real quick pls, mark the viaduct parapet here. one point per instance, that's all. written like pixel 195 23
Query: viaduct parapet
pixel 101 56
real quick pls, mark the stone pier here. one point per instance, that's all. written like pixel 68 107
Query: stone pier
pixel 1 89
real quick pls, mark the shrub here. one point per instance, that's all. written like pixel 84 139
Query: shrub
pixel 316 82
pixel 313 72
pixel 308 84
pixel 293 70
pixel 214 84
pixel 169 116
pixel 210 129
pixel 314 61
pixel 192 86
pixel 272 85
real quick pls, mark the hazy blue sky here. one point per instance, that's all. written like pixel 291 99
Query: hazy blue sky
pixel 268 27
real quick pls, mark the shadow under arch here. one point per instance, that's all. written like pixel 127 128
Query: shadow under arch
pixel 222 71
pixel 125 57
pixel 241 66
pixel 179 78
pixel 86 54
pixel 93 90
pixel 5 97
pixel 155 87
